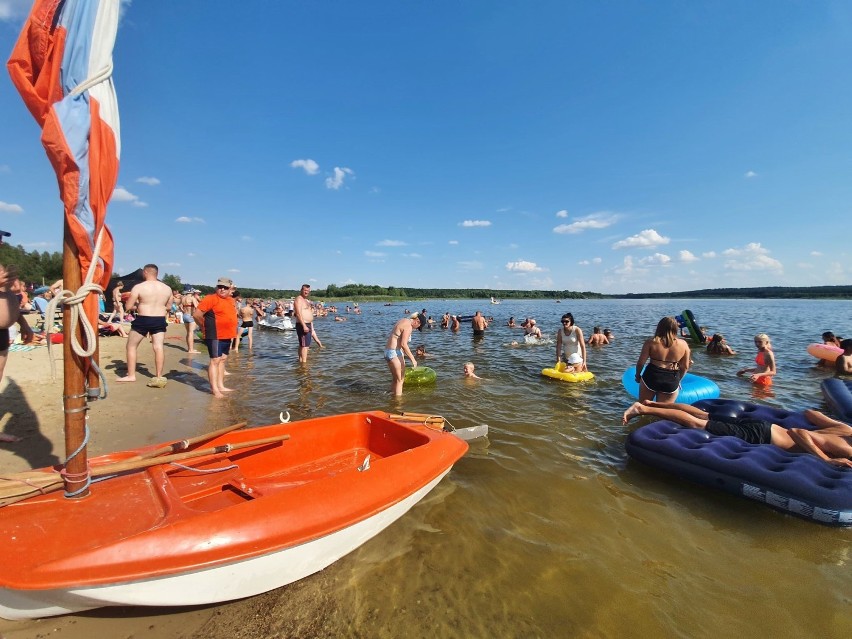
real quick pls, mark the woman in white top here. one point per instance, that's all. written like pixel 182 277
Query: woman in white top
pixel 569 340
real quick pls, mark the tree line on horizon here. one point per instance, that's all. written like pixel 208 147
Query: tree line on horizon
pixel 38 267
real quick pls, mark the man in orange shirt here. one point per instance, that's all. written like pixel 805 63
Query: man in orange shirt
pixel 218 321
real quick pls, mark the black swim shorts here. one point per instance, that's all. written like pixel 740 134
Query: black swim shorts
pixel 149 325
pixel 753 431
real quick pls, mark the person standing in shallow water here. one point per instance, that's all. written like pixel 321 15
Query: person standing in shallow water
pixel 764 370
pixel 217 319
pixel 479 324
pixel 668 360
pixel 570 341
pixel 397 349
pixel 304 316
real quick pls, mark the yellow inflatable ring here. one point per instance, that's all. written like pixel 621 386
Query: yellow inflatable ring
pixel 558 372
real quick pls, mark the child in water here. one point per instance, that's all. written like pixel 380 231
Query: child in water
pixel 718 346
pixel 468 371
pixel 763 373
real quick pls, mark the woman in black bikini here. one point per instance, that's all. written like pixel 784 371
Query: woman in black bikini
pixel 669 361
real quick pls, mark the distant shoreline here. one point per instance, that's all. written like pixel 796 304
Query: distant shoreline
pixel 373 293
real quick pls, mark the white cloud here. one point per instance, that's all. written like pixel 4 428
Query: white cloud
pixel 453 242
pixel 686 256
pixel 150 181
pixel 38 245
pixel 752 257
pixel 594 221
pixel 414 255
pixel 246 238
pixel 816 253
pixel 469 224
pixel 190 220
pixel 120 194
pixel 584 262
pixel 750 174
pixel 596 260
pixel 310 167
pixel 627 269
pixel 709 255
pixel 233 270
pixel 523 266
pixel 657 259
pixel 562 213
pixel 336 181
pixel 391 243
pixel 374 254
pixel 648 238
pixel 172 264
pixel 5 207
pixel 470 265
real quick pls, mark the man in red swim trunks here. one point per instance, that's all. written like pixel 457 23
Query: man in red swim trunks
pixel 832 442
pixel 151 299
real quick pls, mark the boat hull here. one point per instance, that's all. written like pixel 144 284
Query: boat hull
pixel 222 583
pixel 168 536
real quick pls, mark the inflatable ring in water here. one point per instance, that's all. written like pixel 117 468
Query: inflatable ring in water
pixel 692 387
pixel 828 352
pixel 558 372
pixel 692 326
pixel 419 375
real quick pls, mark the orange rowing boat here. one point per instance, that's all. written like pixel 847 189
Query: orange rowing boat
pixel 221 526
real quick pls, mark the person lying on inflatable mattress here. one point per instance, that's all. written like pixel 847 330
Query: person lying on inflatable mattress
pixel 832 442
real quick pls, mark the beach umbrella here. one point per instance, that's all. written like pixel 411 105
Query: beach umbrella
pixel 62 67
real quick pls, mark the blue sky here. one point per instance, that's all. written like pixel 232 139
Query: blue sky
pixel 612 146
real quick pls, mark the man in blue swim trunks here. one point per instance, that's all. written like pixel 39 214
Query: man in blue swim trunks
pixel 832 442
pixel 152 300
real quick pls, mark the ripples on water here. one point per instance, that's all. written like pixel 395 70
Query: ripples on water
pixel 547 529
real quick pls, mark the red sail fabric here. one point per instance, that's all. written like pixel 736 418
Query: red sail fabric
pixel 62 66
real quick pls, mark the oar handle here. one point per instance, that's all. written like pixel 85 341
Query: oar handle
pixel 120 467
pixel 186 443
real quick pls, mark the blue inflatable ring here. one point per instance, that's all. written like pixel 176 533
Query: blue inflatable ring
pixel 692 387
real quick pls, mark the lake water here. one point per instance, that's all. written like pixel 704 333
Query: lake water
pixel 547 529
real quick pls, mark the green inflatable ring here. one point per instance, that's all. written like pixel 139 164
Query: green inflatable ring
pixel 419 375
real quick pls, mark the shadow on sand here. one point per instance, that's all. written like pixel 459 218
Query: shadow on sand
pixel 36 449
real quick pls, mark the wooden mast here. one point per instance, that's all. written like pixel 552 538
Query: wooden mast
pixel 74 368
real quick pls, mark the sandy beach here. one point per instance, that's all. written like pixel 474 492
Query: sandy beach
pixel 132 415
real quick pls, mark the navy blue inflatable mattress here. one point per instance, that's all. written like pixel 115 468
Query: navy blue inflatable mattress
pixel 795 483
pixel 838 395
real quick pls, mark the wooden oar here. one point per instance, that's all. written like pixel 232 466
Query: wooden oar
pixel 416 418
pixel 186 443
pixel 173 448
pixel 29 484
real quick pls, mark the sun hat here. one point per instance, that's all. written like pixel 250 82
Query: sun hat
pixel 574 358
pixel 224 281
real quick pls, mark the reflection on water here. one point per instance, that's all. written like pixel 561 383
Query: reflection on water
pixel 547 529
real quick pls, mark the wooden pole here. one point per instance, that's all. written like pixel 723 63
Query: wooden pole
pixel 74 390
